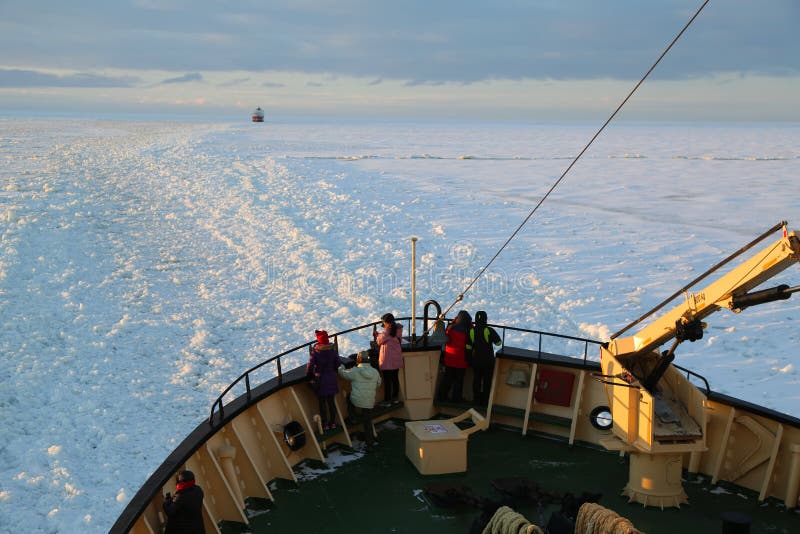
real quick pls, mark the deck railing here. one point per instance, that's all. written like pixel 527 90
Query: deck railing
pixel 245 377
pixel 690 374
pixel 541 335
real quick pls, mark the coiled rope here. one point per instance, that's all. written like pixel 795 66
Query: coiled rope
pixel 595 519
pixel 460 296
pixel 507 521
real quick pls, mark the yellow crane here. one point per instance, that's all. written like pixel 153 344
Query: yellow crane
pixel 658 414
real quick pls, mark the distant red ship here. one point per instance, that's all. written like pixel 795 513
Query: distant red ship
pixel 258 115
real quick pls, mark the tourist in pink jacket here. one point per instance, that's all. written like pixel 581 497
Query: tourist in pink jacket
pixel 390 359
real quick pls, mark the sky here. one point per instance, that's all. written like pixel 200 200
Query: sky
pixel 505 59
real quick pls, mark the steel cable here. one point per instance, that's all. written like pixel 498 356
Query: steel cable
pixel 574 161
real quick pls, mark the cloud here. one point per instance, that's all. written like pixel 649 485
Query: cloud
pixel 273 84
pixel 376 81
pixel 417 40
pixel 190 77
pixel 33 78
pixel 234 83
pixel 432 83
pixel 313 84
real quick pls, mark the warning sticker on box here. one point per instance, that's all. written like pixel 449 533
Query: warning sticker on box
pixel 435 429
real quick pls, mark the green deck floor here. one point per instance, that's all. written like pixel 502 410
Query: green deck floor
pixel 381 491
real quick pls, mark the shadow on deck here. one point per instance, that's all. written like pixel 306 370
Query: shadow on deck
pixel 349 496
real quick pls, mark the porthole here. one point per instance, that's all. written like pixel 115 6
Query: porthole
pixel 294 436
pixel 601 418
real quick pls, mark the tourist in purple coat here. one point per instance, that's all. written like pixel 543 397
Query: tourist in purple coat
pixel 322 365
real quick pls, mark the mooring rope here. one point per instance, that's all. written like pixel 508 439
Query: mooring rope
pixel 595 519
pixel 460 296
pixel 507 521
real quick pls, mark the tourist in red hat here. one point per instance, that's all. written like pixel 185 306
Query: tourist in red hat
pixel 322 365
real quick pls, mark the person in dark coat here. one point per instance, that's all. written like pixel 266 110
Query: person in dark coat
pixel 455 358
pixel 323 362
pixel 480 353
pixel 185 510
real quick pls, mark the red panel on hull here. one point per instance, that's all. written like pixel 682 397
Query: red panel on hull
pixel 554 387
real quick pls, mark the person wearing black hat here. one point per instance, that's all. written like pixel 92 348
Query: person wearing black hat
pixel 481 357
pixel 390 358
pixel 455 358
pixel 185 510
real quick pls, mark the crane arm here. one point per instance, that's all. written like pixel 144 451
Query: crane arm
pixel 730 291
